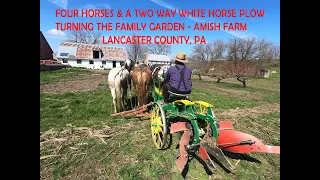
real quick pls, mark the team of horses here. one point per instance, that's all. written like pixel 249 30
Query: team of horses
pixel 139 75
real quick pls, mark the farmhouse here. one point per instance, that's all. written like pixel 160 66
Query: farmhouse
pixel 45 49
pixel 157 59
pixel 91 56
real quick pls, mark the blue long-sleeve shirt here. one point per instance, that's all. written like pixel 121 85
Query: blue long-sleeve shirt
pixel 174 76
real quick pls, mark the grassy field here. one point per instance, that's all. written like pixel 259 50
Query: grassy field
pixel 79 139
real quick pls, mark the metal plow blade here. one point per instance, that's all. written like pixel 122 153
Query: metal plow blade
pixel 202 153
pixel 239 142
pixel 183 158
pixel 178 126
pixel 218 155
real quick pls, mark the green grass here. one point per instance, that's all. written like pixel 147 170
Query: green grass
pixel 90 109
pixel 266 128
pixel 220 101
pixel 131 154
pixel 57 75
pixel 232 85
pixel 267 89
pixel 253 84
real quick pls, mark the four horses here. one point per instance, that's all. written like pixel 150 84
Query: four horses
pixel 119 80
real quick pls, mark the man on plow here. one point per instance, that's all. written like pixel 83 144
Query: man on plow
pixel 177 79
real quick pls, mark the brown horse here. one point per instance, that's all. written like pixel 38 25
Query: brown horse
pixel 142 80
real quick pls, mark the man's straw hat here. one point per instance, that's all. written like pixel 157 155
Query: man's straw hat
pixel 181 57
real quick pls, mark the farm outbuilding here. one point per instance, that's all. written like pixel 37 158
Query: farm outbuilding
pixel 91 56
pixel 46 52
pixel 157 59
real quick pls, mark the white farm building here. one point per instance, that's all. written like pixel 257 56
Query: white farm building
pixel 157 59
pixel 91 56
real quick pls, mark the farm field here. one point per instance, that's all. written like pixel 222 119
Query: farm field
pixel 79 139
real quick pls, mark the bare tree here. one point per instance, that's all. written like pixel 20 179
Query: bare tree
pixel 85 37
pixel 201 52
pixel 209 52
pixel 200 67
pixel 276 51
pixel 206 54
pixel 267 50
pixel 263 50
pixel 216 49
pixel 136 52
pixel 162 49
pixel 240 51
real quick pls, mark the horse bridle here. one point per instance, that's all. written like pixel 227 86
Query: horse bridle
pixel 155 71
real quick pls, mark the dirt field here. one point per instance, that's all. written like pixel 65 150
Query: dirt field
pixel 85 82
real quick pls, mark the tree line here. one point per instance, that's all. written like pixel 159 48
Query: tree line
pixel 236 49
pixel 232 49
pixel 241 57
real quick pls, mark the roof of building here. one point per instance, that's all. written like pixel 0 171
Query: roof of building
pixel 85 51
pixel 157 57
pixel 45 49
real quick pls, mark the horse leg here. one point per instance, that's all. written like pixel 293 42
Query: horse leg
pixel 122 100
pixel 113 93
pixel 147 93
pixel 136 92
pixel 140 96
pixel 139 89
pixel 144 95
pixel 124 94
pixel 118 95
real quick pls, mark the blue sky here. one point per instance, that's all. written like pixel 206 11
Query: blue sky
pixel 267 27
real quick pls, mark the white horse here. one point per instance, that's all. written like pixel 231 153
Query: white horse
pixel 118 80
pixel 158 70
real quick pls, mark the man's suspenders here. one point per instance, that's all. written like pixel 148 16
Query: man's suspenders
pixel 181 77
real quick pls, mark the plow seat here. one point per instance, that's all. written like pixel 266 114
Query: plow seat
pixel 176 94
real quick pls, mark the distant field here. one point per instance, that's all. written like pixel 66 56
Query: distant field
pixel 76 127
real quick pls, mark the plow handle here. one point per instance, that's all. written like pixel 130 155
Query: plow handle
pixel 247 142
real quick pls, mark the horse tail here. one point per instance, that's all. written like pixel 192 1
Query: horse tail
pixel 139 85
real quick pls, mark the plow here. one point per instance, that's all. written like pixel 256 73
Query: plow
pixel 200 134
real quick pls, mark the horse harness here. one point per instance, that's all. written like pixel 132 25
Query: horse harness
pixel 155 71
pixel 122 68
pixel 141 66
pixel 129 76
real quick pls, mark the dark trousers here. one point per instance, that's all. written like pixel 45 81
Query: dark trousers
pixel 166 87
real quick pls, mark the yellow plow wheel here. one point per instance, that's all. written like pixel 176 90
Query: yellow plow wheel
pixel 158 126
